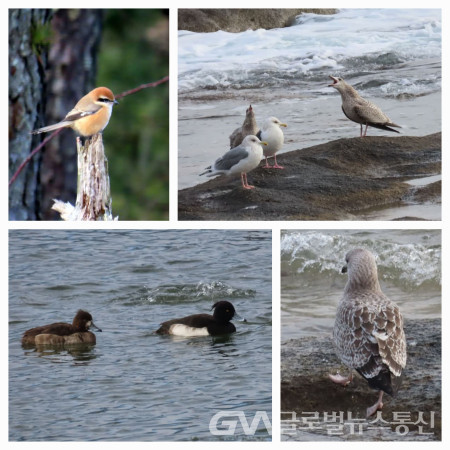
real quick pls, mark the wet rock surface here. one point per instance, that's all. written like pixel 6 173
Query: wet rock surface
pixel 237 20
pixel 332 181
pixel 305 387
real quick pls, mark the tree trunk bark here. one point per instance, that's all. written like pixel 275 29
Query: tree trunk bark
pixel 26 74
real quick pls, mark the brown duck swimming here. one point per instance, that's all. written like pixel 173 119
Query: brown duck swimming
pixel 61 333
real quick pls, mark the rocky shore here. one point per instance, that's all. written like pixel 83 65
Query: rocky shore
pixel 237 20
pixel 305 364
pixel 334 181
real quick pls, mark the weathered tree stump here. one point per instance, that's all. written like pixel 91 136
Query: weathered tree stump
pixel 93 192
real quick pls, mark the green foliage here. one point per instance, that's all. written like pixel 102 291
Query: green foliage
pixel 134 51
pixel 41 36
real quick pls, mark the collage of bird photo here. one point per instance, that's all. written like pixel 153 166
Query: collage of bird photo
pixel 225 225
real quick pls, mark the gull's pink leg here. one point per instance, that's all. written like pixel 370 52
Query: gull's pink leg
pixel 365 131
pixel 267 166
pixel 242 180
pixel 339 379
pixel 246 185
pixel 378 405
pixel 276 166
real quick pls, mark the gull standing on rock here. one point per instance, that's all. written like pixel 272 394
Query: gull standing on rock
pixel 273 135
pixel 361 110
pixel 248 127
pixel 368 331
pixel 241 159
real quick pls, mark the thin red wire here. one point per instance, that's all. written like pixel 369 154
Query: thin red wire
pixel 28 158
pixel 143 86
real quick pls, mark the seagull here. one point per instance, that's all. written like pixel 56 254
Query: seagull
pixel 273 135
pixel 248 127
pixel 368 331
pixel 361 110
pixel 241 159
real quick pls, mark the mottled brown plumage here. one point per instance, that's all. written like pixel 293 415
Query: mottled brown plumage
pixel 368 331
pixel 360 110
pixel 248 127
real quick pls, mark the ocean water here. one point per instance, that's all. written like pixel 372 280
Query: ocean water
pixel 391 56
pixel 409 270
pixel 134 385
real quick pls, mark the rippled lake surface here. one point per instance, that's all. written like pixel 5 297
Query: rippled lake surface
pixel 409 270
pixel 136 385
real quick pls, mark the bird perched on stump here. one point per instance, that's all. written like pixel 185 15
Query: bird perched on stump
pixel 368 331
pixel 89 116
pixel 361 110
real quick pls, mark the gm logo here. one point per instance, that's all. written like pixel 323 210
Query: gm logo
pixel 234 417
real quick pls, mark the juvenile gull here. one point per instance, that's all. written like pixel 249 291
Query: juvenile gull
pixel 273 135
pixel 248 127
pixel 361 110
pixel 241 159
pixel 368 331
